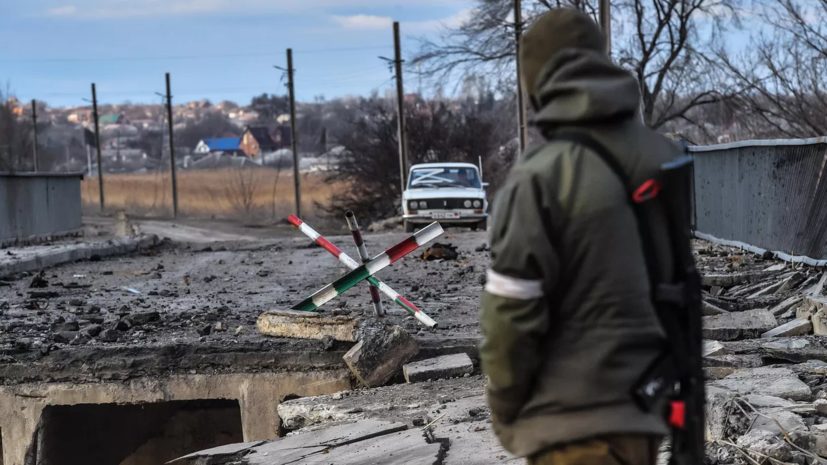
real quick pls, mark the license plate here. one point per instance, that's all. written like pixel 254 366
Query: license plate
pixel 444 215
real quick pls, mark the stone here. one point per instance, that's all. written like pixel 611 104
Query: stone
pixel 820 446
pixel 738 325
pixel 767 443
pixel 66 326
pixel 109 335
pixel 761 401
pixel 219 326
pixel 734 361
pixel 92 330
pixel 23 344
pixel 816 290
pixel 791 282
pixel 205 330
pixel 767 290
pixel 717 402
pixel 785 305
pixel 65 337
pixel 793 328
pixel 140 319
pixel 817 307
pixel 731 279
pixel 788 420
pixel 776 382
pixel 446 366
pixel 821 406
pixel 309 325
pixel 380 354
pixel 708 309
pixel 711 348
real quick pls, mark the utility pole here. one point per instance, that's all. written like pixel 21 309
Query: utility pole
pixel 606 24
pixel 34 129
pixel 521 115
pixel 172 153
pixel 400 103
pixel 294 146
pixel 98 142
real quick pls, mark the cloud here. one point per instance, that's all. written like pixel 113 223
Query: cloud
pixel 69 10
pixel 364 22
pixel 451 22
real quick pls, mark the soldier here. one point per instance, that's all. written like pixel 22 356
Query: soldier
pixel 569 322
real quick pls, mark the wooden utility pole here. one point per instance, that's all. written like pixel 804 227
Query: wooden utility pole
pixel 34 131
pixel 606 24
pixel 98 142
pixel 172 153
pixel 400 103
pixel 521 115
pixel 293 142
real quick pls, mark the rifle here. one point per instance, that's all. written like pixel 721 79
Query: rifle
pixel 677 374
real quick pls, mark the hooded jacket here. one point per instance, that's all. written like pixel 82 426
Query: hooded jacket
pixel 568 322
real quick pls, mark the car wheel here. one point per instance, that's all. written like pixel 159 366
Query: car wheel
pixel 409 227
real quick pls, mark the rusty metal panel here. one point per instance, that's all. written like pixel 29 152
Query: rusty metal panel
pixel 36 206
pixel 769 195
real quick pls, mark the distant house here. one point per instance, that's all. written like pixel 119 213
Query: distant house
pixel 257 140
pixel 112 119
pixel 229 145
pixel 281 136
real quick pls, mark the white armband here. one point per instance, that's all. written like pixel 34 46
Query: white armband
pixel 513 288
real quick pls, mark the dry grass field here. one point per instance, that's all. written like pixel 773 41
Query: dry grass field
pixel 249 194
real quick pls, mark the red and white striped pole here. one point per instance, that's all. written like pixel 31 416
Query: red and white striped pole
pixel 375 299
pixel 352 264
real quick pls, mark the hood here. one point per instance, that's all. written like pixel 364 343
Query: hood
pixel 583 86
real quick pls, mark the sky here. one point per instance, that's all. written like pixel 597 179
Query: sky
pixel 52 50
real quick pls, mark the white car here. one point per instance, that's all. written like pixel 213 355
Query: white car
pixel 451 193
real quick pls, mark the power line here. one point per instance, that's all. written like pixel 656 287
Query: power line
pixel 186 57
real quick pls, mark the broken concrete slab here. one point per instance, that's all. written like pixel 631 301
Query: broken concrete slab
pixel 792 328
pixel 762 401
pixel 309 325
pixel 794 350
pixel 766 443
pixel 777 382
pixel 380 354
pixel 741 325
pixel 734 361
pixel 767 290
pixel 788 420
pixel 708 309
pixel 787 304
pixel 228 451
pixel 816 290
pixel 717 401
pixel 732 279
pixel 791 282
pixel 712 348
pixel 447 366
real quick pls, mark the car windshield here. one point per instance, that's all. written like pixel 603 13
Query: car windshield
pixel 444 177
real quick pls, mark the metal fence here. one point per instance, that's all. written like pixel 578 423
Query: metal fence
pixel 764 195
pixel 37 206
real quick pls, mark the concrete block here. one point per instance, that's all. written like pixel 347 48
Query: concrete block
pixel 791 282
pixel 708 309
pixel 731 279
pixel 711 348
pixel 308 325
pixel 788 420
pixel 766 443
pixel 738 325
pixel 381 354
pixel 787 304
pixel 447 366
pixel 793 328
pixel 777 382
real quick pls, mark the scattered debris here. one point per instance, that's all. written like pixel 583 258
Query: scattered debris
pixel 39 281
pixel 441 252
pixel 379 355
pixel 738 325
pixel 446 366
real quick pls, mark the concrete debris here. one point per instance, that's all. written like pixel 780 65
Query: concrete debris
pixel 816 290
pixel 791 282
pixel 731 279
pixel 787 304
pixel 446 366
pixel 309 325
pixel 109 335
pixel 708 309
pixel 441 252
pixel 766 443
pixel 380 354
pixel 711 348
pixel 793 328
pixel 776 382
pixel 738 325
pixel 771 418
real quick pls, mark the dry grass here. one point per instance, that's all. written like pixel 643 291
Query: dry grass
pixel 225 193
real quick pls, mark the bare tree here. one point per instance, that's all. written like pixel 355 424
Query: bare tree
pixel 16 141
pixel 242 188
pixel 783 70
pixel 664 43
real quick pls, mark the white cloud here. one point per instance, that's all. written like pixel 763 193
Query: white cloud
pixel 451 22
pixel 364 22
pixel 69 10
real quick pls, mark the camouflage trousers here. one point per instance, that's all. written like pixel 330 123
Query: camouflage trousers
pixel 608 450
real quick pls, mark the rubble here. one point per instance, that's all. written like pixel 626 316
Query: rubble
pixel 795 327
pixel 446 366
pixel 776 382
pixel 380 354
pixel 308 325
pixel 738 325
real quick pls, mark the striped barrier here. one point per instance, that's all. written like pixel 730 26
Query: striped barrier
pixel 375 299
pixel 353 265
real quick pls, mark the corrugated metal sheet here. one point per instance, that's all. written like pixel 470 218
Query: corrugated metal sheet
pixel 767 194
pixel 38 206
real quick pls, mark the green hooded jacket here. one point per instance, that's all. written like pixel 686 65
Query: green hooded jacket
pixel 568 322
